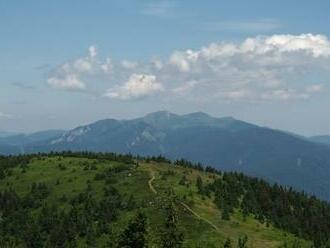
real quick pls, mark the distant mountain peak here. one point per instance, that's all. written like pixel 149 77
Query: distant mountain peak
pixel 164 114
pixel 198 115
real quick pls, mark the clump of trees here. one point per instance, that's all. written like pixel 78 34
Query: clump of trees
pixel 158 159
pixel 171 236
pixel 30 221
pixel 44 225
pixel 135 234
pixel 296 212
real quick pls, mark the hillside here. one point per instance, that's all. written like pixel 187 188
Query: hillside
pixel 89 200
pixel 324 139
pixel 225 143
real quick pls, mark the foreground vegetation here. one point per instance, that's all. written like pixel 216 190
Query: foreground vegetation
pixel 108 200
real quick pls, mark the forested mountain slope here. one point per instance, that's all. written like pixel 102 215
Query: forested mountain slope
pixel 225 143
pixel 85 199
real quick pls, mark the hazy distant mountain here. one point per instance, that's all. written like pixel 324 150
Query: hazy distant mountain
pixel 6 134
pixel 224 143
pixel 22 140
pixel 325 139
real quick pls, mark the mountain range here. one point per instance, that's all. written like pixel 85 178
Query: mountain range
pixel 225 143
pixel 324 139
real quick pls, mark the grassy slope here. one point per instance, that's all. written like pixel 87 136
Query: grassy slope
pixel 198 232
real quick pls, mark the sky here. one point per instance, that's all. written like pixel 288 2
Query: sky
pixel 67 63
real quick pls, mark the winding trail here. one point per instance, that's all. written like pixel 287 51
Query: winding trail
pixel 150 182
pixel 198 216
pixel 152 173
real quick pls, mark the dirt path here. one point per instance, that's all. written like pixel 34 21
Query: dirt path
pixel 150 182
pixel 198 216
pixel 182 203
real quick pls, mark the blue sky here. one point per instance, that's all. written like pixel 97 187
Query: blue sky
pixel 67 63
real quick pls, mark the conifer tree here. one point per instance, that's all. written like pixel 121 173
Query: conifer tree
pixel 135 233
pixel 227 243
pixel 242 242
pixel 199 184
pixel 171 237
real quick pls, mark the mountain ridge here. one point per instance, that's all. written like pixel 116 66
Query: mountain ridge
pixel 323 139
pixel 225 143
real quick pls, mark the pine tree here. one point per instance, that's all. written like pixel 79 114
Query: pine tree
pixel 227 243
pixel 242 242
pixel 225 214
pixel 199 184
pixel 135 233
pixel 171 237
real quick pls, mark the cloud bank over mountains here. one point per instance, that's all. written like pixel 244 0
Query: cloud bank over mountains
pixel 262 68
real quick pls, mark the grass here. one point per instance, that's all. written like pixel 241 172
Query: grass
pixel 70 176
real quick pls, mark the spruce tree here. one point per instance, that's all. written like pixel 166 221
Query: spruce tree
pixel 242 242
pixel 171 237
pixel 225 213
pixel 199 184
pixel 135 233
pixel 227 243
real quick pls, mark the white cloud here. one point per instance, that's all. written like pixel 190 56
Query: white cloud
pixel 159 9
pixel 272 46
pixel 261 68
pixel 82 65
pixel 316 45
pixel 248 26
pixel 137 86
pixel 182 59
pixel 157 63
pixel 129 64
pixel 92 51
pixel 68 82
pixel 70 75
pixel 107 66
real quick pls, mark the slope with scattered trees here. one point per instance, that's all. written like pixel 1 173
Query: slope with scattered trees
pixel 105 200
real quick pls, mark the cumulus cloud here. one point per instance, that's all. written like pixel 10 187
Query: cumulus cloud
pixel 70 75
pixel 92 51
pixel 137 86
pixel 316 45
pixel 182 60
pixel 157 64
pixel 107 66
pixel 129 64
pixel 261 68
pixel 67 82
